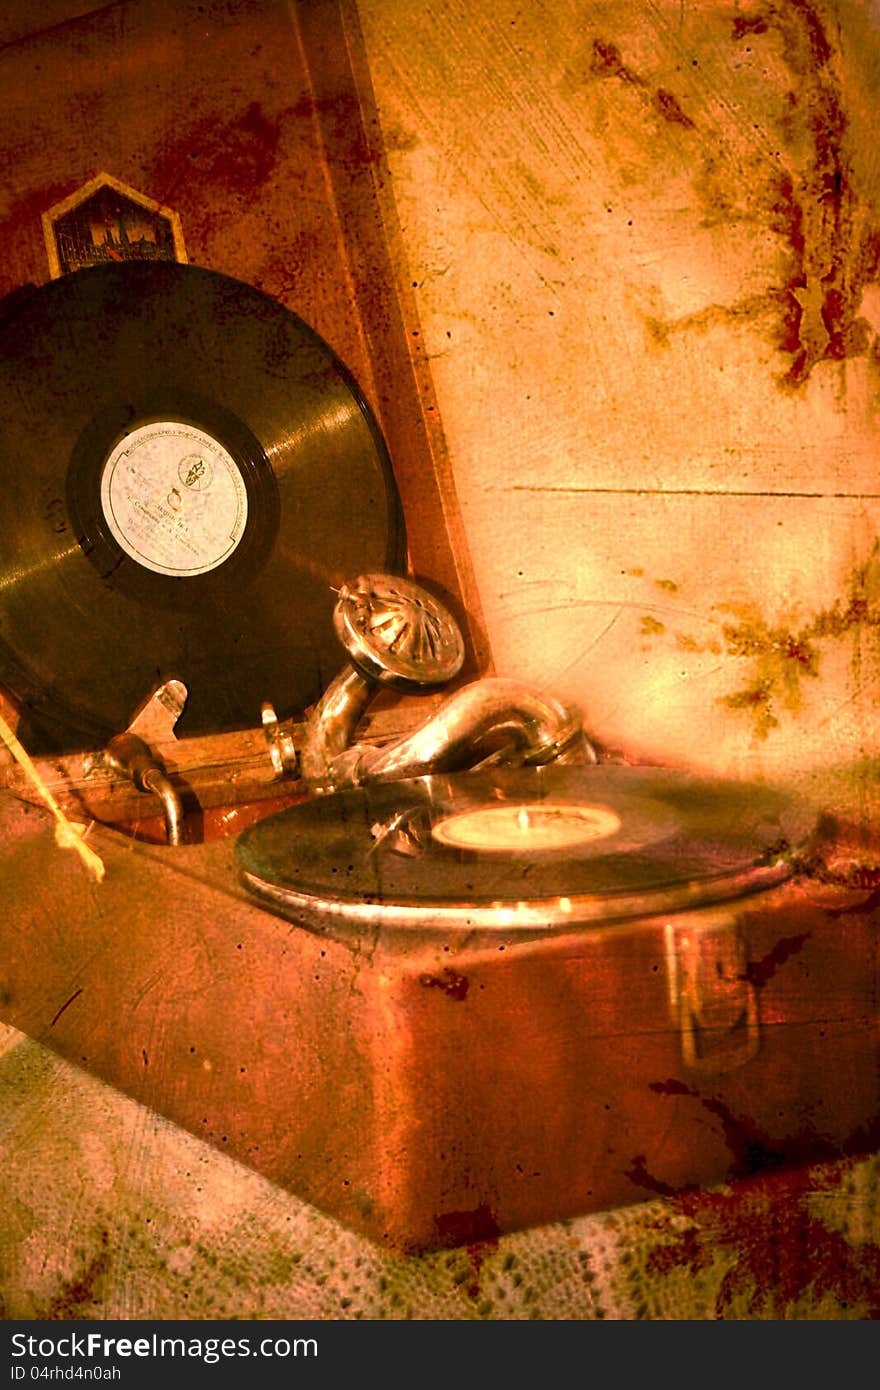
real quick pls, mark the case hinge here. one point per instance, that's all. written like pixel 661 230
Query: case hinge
pixel 712 1000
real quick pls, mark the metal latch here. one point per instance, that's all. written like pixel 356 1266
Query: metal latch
pixel 713 1003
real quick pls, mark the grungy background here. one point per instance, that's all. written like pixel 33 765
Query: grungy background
pixel 646 242
pixel 643 244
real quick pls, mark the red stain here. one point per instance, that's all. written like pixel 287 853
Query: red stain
pixel 22 225
pixel 452 984
pixel 779 1248
pixel 825 221
pixel 743 25
pixel 77 1297
pixel 820 48
pixel 817 207
pixel 639 1174
pixel 787 219
pixel 238 155
pixel 606 61
pixel 29 208
pixel 759 972
pixel 753 1151
pixel 474 1229
pixel 670 110
pixel 478 1252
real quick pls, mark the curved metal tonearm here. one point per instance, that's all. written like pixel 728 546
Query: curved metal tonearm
pixel 397 634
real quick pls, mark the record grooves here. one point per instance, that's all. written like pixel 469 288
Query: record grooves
pixel 188 473
pixel 651 840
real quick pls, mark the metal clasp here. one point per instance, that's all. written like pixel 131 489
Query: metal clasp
pixel 279 738
pixel 713 1003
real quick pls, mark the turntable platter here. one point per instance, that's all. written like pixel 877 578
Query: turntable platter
pixel 526 848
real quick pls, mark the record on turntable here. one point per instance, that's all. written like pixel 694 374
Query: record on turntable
pixel 187 471
pixel 523 848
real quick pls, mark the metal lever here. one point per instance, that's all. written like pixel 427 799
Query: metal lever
pixel 279 738
pixel 129 754
pixel 398 634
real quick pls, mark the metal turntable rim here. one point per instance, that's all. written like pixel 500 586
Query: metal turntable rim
pixel 696 864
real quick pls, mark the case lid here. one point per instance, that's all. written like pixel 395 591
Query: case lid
pixel 189 474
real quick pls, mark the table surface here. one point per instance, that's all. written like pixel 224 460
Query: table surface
pixel 109 1211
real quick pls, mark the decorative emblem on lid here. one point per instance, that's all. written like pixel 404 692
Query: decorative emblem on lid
pixel 106 221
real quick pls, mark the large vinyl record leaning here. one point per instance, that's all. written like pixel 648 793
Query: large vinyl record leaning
pixel 187 473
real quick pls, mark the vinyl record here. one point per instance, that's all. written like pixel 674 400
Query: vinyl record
pixel 531 848
pixel 187 473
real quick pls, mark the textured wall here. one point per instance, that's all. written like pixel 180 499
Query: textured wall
pixel 645 239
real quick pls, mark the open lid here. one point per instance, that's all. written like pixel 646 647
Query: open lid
pixel 189 473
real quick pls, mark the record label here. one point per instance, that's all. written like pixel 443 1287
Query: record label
pixel 174 499
pixel 526 829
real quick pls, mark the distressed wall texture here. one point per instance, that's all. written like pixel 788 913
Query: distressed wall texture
pixel 645 240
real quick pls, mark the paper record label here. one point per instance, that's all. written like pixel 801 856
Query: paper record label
pixel 174 499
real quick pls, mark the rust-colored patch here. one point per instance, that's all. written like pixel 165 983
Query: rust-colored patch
pixel 670 108
pixel 781 655
pixel 808 196
pixel 607 61
pixel 831 237
pixel 79 1297
pixel 470 1228
pixel 744 24
pixel 778 1249
pixel 820 48
pixel 449 981
pixel 760 972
